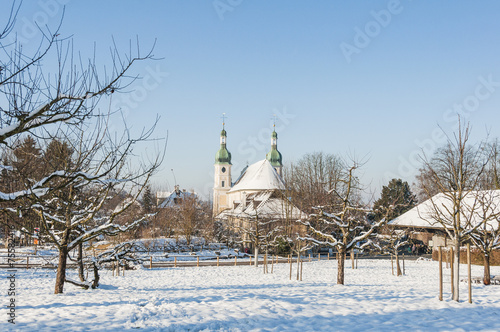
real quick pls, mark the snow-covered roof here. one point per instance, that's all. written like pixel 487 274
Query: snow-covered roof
pixel 175 198
pixel 476 206
pixel 259 176
pixel 265 204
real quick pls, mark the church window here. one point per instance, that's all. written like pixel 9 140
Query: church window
pixel 222 184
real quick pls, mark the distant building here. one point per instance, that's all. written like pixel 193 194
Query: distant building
pixel 173 198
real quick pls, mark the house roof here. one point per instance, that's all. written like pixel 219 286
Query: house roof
pixel 174 198
pixel 259 176
pixel 477 206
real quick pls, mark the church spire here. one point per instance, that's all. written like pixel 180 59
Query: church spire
pixel 274 156
pixel 223 156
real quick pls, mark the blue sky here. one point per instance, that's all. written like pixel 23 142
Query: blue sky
pixel 409 66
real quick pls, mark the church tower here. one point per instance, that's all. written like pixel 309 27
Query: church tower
pixel 274 156
pixel 222 177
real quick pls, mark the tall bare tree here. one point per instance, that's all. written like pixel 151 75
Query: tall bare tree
pixel 34 101
pixel 456 171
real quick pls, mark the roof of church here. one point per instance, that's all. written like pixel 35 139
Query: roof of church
pixel 259 176
pixel 264 204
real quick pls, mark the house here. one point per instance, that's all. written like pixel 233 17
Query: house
pixel 429 219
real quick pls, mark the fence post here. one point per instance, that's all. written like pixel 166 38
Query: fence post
pixel 235 260
pixel 352 259
pixel 150 262
pixel 309 257
pixel 175 261
pixel 452 272
pixel 27 262
pixel 328 257
pixel 197 261
pixel 301 268
pixel 319 256
pixel 392 265
pixel 404 270
pixel 440 258
pixel 217 261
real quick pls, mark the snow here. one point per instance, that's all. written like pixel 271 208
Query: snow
pixel 242 298
pixel 259 176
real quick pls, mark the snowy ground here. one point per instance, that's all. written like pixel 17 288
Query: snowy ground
pixel 242 298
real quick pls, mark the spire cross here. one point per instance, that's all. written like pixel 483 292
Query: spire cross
pixel 223 119
pixel 274 120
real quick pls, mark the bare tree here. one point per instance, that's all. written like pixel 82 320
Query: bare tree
pixel 486 229
pixel 456 170
pixel 99 167
pixel 344 224
pixel 310 179
pixel 35 102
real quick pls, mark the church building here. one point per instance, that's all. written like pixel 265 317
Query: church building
pixel 258 192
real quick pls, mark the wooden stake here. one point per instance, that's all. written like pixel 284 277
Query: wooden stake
pixel 319 256
pixel 328 256
pixel 309 257
pixel 175 261
pixel 404 271
pixel 440 258
pixel 272 264
pixel 28 262
pixel 301 267
pixel 217 261
pixel 298 266
pixel 452 272
pixel 352 259
pixel 235 260
pixel 197 261
pixel 392 265
pixel 469 272
pixel 113 269
pixel 150 262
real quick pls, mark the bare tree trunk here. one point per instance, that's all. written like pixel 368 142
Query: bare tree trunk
pixel 95 282
pixel 340 266
pixel 398 267
pixel 456 272
pixel 80 262
pixel 61 270
pixel 487 276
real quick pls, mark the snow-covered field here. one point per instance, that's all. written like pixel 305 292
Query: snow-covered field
pixel 242 298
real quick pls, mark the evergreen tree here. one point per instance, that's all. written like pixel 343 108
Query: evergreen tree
pixel 396 199
pixel 148 200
